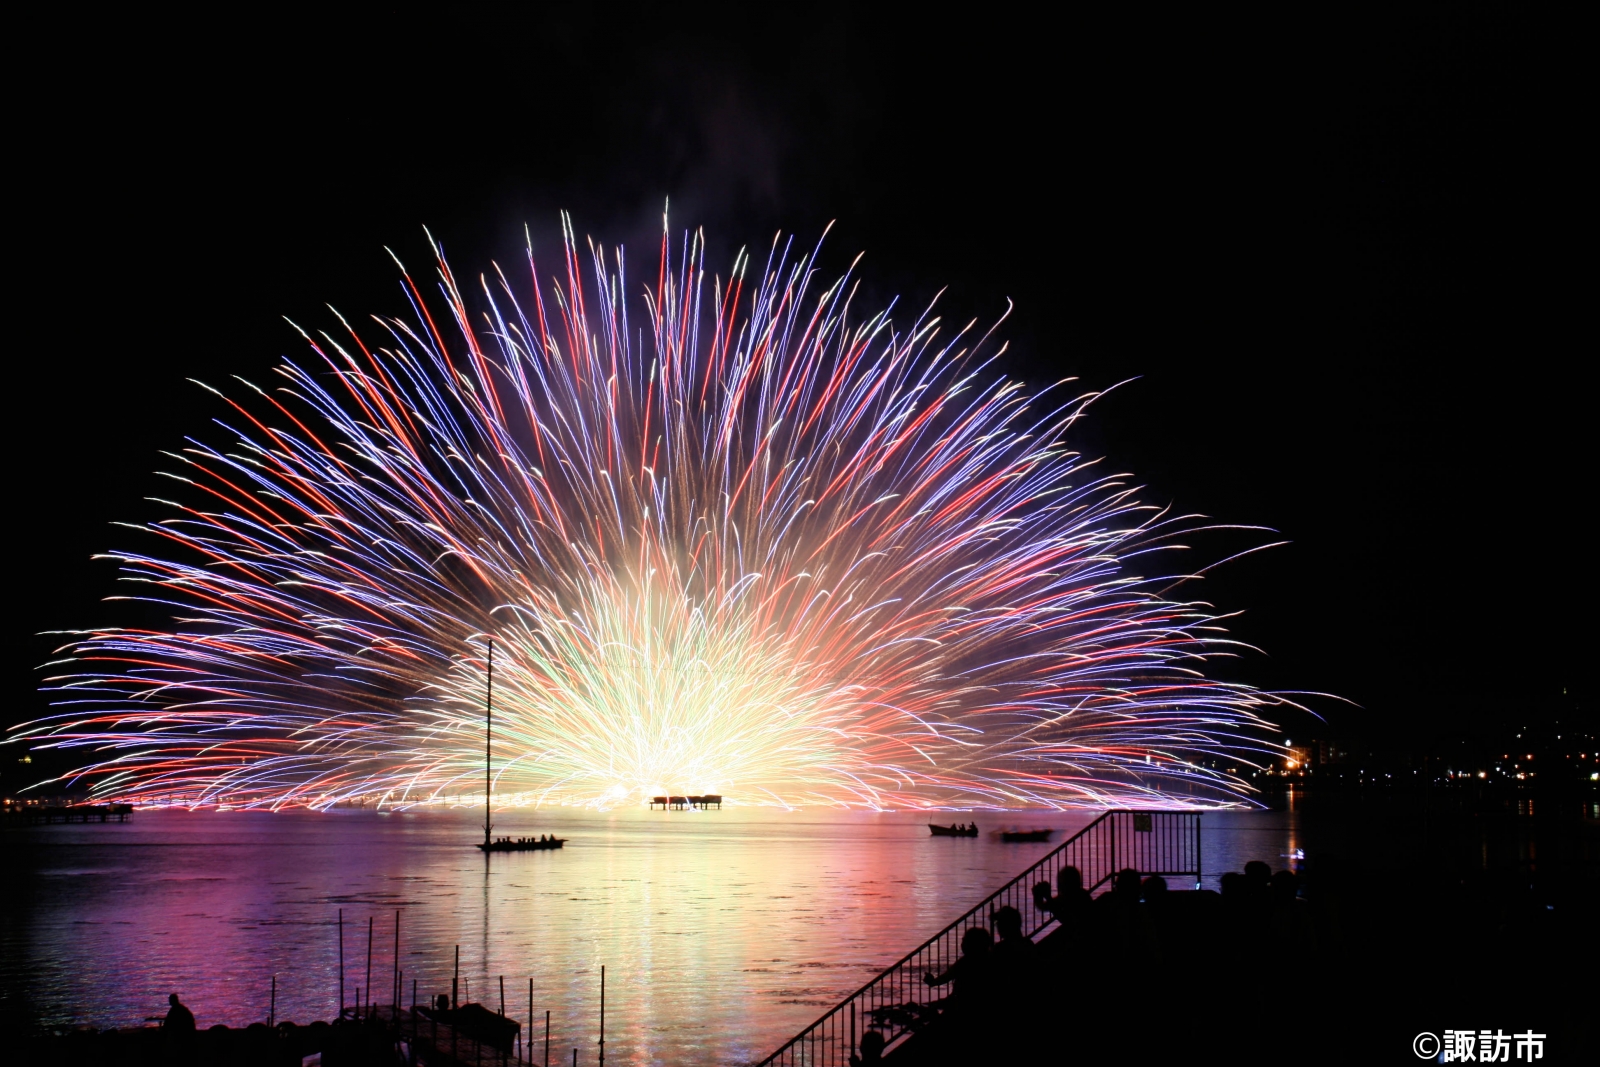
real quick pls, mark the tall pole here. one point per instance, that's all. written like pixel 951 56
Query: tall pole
pixel 341 963
pixel 397 964
pixel 488 739
pixel 602 1015
pixel 369 968
pixel 547 1038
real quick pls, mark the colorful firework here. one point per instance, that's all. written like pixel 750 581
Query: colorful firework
pixel 755 544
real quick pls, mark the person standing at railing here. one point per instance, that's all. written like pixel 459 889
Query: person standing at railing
pixel 969 976
pixel 1070 905
pixel 1013 963
pixel 1158 911
pixel 1122 931
pixel 1013 955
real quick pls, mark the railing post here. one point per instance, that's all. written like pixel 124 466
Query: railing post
pixel 1113 826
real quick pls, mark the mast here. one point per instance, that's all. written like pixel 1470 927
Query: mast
pixel 488 740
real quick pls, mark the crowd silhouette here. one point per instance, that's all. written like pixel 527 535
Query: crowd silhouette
pixel 1101 960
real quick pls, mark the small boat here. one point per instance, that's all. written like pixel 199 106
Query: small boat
pixel 523 844
pixel 1025 835
pixel 953 831
pixel 504 844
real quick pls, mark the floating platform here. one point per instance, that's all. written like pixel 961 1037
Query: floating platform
pixel 710 800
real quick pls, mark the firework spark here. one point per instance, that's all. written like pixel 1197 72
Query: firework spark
pixel 753 544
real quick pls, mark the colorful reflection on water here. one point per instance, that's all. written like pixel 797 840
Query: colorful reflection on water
pixel 722 932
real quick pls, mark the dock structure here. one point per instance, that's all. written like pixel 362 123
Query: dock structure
pixel 469 1035
pixel 39 814
pixel 709 800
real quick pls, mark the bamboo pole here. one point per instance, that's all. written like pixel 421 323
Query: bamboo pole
pixel 369 970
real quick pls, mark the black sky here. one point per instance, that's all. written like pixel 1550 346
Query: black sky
pixel 1337 258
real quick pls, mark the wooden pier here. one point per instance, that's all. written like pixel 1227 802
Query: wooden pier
pixel 477 1036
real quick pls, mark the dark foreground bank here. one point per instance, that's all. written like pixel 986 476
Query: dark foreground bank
pixel 345 1042
pixel 1477 927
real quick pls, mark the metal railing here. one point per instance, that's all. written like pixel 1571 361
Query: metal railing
pixel 896 1003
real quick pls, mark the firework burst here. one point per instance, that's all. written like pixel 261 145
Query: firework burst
pixel 751 543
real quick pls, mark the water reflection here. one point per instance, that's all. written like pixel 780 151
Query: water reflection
pixel 723 932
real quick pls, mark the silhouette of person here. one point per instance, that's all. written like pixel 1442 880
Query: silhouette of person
pixel 1071 902
pixel 1291 924
pixel 1014 951
pixel 1257 882
pixel 969 974
pixel 871 1049
pixel 1124 933
pixel 1158 908
pixel 179 1020
pixel 1014 962
pixel 1254 911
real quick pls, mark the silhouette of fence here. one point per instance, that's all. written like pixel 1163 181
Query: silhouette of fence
pixel 1151 842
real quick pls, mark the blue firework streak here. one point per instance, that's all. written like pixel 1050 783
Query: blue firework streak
pixel 748 542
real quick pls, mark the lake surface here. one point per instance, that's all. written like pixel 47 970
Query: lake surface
pixel 723 933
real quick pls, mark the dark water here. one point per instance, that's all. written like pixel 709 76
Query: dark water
pixel 723 933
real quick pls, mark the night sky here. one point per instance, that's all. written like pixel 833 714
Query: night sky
pixel 1334 258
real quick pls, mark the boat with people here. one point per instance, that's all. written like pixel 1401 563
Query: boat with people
pixel 541 843
pixel 954 830
pixel 524 844
pixel 1025 835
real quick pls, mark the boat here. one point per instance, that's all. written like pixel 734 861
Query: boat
pixel 953 831
pixel 524 844
pixel 1025 835
pixel 504 844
